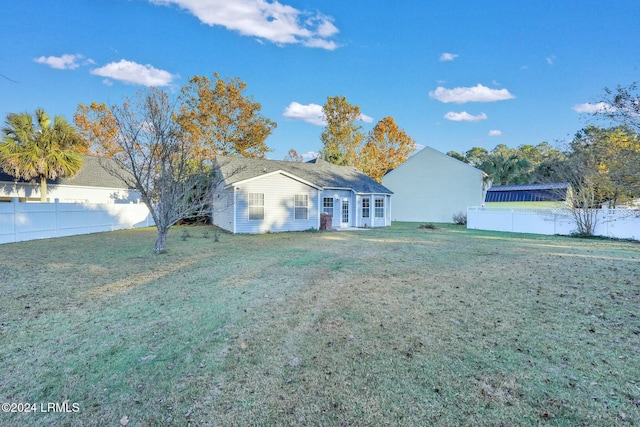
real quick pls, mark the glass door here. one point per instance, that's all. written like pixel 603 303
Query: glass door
pixel 345 213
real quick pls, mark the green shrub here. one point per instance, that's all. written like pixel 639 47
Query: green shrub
pixel 460 218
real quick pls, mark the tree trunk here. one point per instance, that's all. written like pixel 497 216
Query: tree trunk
pixel 161 240
pixel 43 189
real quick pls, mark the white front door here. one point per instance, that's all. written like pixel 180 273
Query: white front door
pixel 344 213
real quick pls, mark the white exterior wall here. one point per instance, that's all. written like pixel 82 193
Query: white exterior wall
pixel 372 220
pixel 431 186
pixel 68 193
pixel 222 209
pixel 338 197
pixel 279 192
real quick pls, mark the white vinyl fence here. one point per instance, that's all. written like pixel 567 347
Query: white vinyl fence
pixel 30 221
pixel 617 223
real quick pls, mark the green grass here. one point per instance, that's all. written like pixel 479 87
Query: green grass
pixel 386 327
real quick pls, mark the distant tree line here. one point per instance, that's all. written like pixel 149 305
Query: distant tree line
pixel 603 161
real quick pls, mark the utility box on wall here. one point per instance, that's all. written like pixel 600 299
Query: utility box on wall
pixel 325 221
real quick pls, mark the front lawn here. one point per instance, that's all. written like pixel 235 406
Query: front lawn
pixel 402 326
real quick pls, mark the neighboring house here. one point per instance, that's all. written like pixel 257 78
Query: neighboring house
pixel 257 196
pixel 432 186
pixel 528 195
pixel 92 184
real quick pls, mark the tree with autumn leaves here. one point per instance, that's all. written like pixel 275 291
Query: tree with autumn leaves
pixel 164 147
pixel 217 118
pixel 342 136
pixel 214 117
pixel 343 143
pixel 386 147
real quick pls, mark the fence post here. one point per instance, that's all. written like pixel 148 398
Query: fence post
pixel 513 214
pixel 55 216
pixel 14 202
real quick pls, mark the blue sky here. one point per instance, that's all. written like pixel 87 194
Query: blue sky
pixel 452 74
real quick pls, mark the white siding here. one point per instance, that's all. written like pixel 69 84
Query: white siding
pixel 338 196
pixel 279 194
pixel 386 219
pixel 222 213
pixel 431 186
pixel 67 193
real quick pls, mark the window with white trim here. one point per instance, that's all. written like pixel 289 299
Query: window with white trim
pixel 327 205
pixel 256 206
pixel 301 206
pixel 379 205
pixel 366 203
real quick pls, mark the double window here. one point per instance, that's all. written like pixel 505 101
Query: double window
pixel 366 208
pixel 379 204
pixel 301 206
pixel 256 206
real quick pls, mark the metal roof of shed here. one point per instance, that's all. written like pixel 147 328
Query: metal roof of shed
pixel 548 186
pixel 528 192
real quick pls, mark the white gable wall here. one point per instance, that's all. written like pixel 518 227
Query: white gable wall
pixel 279 194
pixel 431 186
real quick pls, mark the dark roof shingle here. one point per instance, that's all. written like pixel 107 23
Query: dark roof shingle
pixel 320 173
pixel 92 174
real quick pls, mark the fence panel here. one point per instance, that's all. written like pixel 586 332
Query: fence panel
pixel 617 223
pixel 29 221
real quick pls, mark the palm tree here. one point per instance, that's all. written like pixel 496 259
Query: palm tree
pixel 41 150
pixel 506 169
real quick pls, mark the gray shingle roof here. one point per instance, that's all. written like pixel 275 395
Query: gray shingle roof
pixel 320 173
pixel 92 174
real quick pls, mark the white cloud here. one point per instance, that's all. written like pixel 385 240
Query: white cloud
pixel 309 155
pixel 464 117
pixel 312 113
pixel 272 21
pixel 478 93
pixel 550 59
pixel 365 118
pixel 448 56
pixel 495 132
pixel 64 62
pixel 600 107
pixel 133 73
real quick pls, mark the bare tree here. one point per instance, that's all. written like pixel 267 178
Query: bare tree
pixel 150 156
pixel 581 200
pixel 622 106
pixel 293 156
